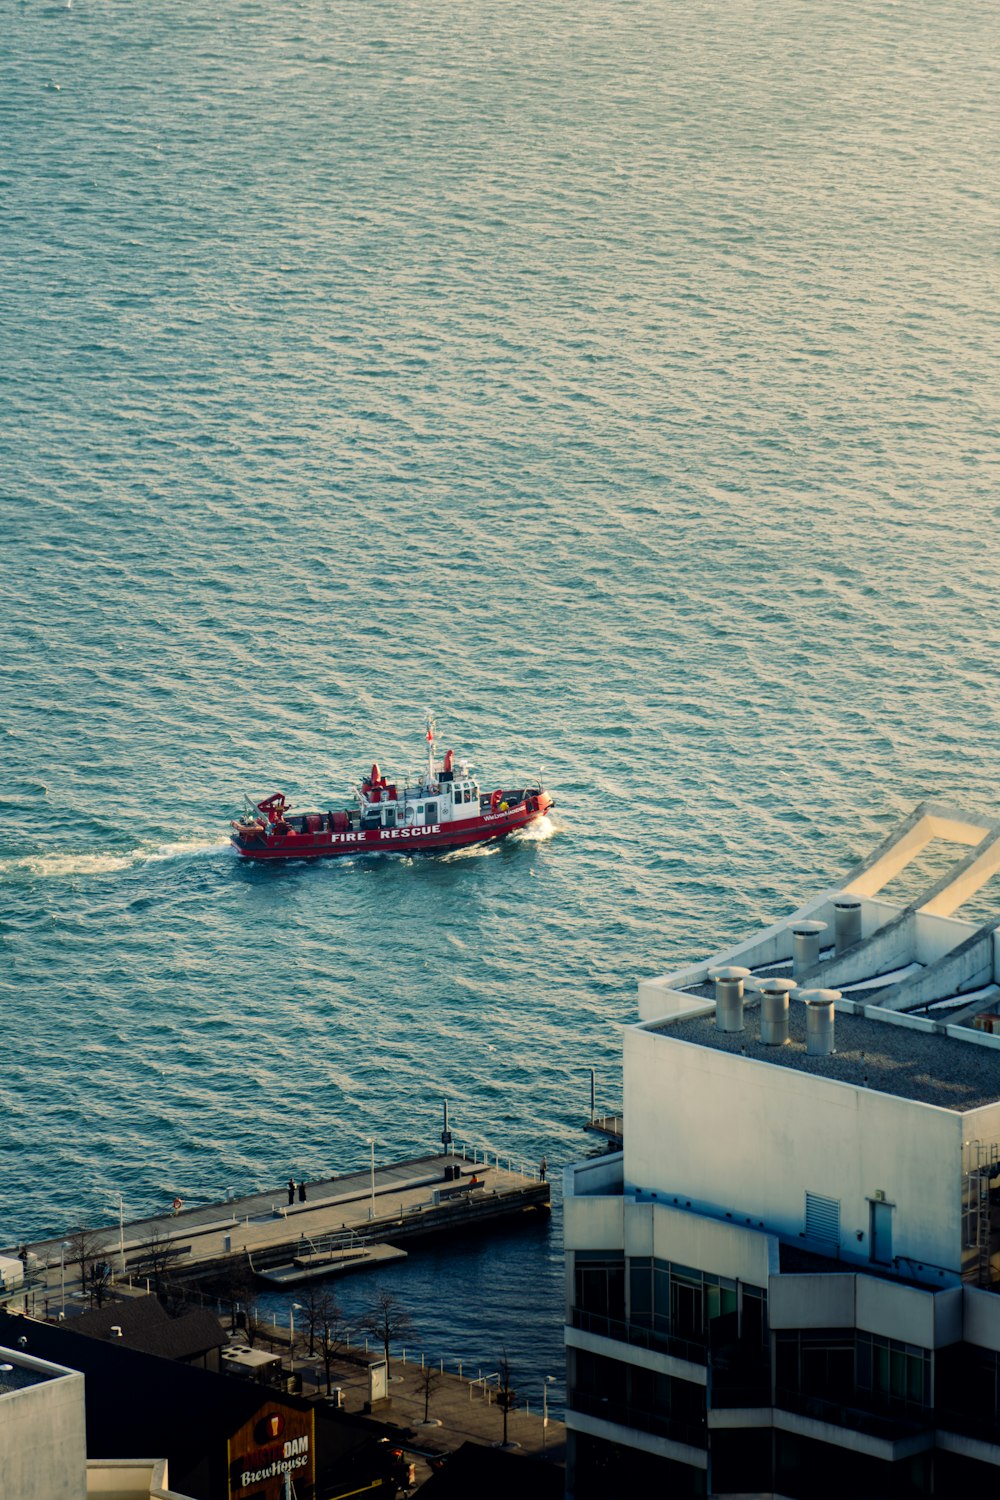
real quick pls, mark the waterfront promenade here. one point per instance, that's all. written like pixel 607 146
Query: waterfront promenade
pixel 462 1407
pixel 340 1225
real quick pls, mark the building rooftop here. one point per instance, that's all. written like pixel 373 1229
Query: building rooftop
pixel 18 1373
pixel 916 986
pixel 143 1323
pixel 870 1053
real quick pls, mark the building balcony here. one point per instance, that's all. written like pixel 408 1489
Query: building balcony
pixel 965 1424
pixel 624 1414
pixel 887 1435
pixel 640 1338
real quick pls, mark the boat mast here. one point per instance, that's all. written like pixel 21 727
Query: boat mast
pixel 430 751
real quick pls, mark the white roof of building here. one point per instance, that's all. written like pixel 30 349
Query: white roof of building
pixel 916 987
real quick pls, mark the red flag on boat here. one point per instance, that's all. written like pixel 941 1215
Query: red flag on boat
pixel 430 736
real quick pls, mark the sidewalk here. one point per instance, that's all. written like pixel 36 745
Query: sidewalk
pixel 461 1408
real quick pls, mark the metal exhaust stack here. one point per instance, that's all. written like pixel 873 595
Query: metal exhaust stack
pixel 805 946
pixel 774 1011
pixel 820 1021
pixel 847 919
pixel 729 997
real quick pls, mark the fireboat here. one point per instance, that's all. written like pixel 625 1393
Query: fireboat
pixel 443 809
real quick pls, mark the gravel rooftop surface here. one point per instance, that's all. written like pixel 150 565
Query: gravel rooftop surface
pixel 871 1054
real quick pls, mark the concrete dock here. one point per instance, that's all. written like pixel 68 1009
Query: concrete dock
pixel 346 1223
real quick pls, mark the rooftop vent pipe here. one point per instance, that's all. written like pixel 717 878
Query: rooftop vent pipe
pixel 116 1331
pixel 729 997
pixel 819 1021
pixel 774 1011
pixel 847 922
pixel 805 946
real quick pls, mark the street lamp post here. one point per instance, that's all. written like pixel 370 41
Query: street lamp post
pixel 295 1307
pixel 371 1211
pixel 121 1231
pixel 62 1273
pixel 545 1405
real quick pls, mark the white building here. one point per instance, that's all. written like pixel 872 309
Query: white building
pixel 785 1283
pixel 43 1442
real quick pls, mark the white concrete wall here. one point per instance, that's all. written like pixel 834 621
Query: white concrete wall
pixel 594 1223
pixel 984 1124
pixel 729 1133
pixel 601 1176
pixel 937 936
pixel 811 1301
pixel 981 1317
pixel 43 1446
pixel 910 1314
pixel 895 1311
pixel 688 1239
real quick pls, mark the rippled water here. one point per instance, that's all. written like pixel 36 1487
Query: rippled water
pixel 620 381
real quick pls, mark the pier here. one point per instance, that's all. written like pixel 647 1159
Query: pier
pixel 348 1223
pixel 611 1127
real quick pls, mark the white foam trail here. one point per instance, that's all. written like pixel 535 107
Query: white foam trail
pixel 539 832
pixel 184 849
pixel 58 866
pixel 473 851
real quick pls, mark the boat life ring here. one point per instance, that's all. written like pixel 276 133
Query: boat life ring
pixel 178 1205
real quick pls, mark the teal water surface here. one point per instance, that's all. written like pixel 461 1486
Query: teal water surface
pixel 618 381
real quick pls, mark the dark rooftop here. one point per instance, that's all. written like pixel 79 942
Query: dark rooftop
pixel 880 1055
pixel 146 1326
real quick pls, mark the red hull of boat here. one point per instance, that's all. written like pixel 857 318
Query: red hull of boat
pixel 486 828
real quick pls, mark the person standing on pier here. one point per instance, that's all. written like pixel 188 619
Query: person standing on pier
pixel 291 1191
pixel 542 1169
pixel 302 1190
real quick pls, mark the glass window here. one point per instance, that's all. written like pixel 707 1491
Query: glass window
pixel 687 1305
pixel 641 1290
pixel 661 1296
pixel 754 1317
pixel 901 1373
pixel 600 1284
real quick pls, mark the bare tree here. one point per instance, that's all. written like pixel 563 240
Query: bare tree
pixel 252 1318
pixel 85 1246
pixel 235 1287
pixel 315 1306
pixel 429 1379
pixel 158 1254
pixel 99 1277
pixel 331 1334
pixel 386 1320
pixel 506 1394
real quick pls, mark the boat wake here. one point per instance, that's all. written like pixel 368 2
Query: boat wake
pixel 538 832
pixel 59 866
pixel 471 851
